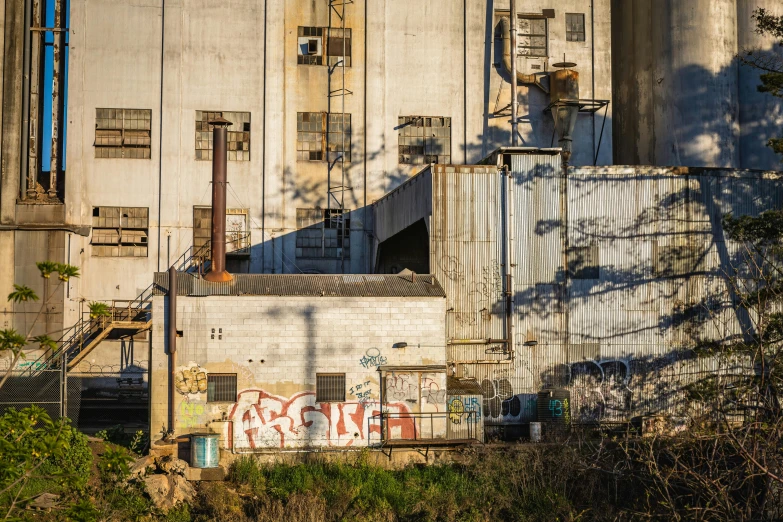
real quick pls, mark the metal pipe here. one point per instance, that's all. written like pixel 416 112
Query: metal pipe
pixel 513 56
pixel 160 122
pixel 217 272
pixel 57 49
pixel 172 337
pixel 34 92
pixel 476 341
pixel 508 278
pixel 24 187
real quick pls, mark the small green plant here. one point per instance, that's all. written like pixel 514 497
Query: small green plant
pixel 113 464
pixel 138 442
pixel 98 310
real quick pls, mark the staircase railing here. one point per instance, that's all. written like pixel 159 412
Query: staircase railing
pixel 138 310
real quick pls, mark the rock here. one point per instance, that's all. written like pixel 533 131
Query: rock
pixel 166 491
pixel 44 501
pixel 172 465
pixel 142 467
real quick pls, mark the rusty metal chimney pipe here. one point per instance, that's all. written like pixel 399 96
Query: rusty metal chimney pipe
pixel 172 338
pixel 218 244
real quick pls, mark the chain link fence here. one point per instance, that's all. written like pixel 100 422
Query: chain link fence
pixel 46 389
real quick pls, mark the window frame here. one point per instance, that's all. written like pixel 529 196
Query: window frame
pixel 405 141
pixel 324 375
pixel 235 139
pixel 211 391
pixel 142 230
pixel 323 221
pixel 327 37
pixel 125 131
pixel 569 25
pixel 309 132
pixel 521 35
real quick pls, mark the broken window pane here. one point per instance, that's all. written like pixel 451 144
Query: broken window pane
pixel 532 36
pixel 424 140
pixel 323 136
pixel 123 133
pixel 238 138
pixel 315 43
pixel 119 231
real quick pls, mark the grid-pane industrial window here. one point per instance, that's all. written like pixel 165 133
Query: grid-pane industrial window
pixel 584 263
pixel 315 43
pixel 532 34
pixel 122 133
pixel 575 27
pixel 237 229
pixel 424 140
pixel 222 387
pixel 323 233
pixel 330 387
pixel 323 136
pixel 238 134
pixel 119 231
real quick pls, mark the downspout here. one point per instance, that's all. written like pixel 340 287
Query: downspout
pixel 172 335
pixel 160 123
pixel 509 64
pixel 507 276
pixel 24 187
pixel 263 159
pixel 511 55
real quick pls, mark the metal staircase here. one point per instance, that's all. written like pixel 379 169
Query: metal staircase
pixel 125 317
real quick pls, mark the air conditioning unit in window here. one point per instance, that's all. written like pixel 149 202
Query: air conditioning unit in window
pixel 310 46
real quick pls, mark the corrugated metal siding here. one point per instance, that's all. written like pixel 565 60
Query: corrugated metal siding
pixel 306 285
pixel 620 342
pixel 466 254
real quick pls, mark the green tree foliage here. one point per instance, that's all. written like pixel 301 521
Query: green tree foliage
pixel 39 454
pixel 770 64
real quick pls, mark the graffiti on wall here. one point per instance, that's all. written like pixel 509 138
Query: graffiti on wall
pixel 431 392
pixel 372 359
pixel 459 407
pixel 361 392
pixel 263 420
pixel 191 414
pixel 600 389
pixel 402 387
pixel 191 380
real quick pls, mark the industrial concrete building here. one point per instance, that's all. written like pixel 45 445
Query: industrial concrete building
pixel 335 104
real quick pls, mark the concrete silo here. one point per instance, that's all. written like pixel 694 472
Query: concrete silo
pixel 760 114
pixel 675 82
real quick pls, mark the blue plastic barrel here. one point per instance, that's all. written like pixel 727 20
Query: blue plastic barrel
pixel 204 452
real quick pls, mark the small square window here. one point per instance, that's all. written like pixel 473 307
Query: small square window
pixel 222 387
pixel 330 387
pixel 575 27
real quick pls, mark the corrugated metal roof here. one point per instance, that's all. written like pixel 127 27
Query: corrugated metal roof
pixel 455 386
pixel 305 285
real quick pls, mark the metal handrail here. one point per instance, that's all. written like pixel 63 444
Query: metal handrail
pixel 72 340
pixel 470 416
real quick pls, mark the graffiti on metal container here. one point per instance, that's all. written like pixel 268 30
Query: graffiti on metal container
pixel 452 268
pixel 362 392
pixel 263 420
pixel 600 389
pixel 191 380
pixel 560 409
pixel 372 358
pixel 460 409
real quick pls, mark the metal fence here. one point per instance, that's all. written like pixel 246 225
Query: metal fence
pixel 47 389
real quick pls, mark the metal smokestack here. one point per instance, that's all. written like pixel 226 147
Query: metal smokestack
pixel 218 244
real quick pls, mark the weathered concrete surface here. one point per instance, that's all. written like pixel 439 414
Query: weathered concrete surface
pixel 680 95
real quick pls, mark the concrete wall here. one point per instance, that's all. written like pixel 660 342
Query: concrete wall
pixel 276 345
pixel 681 97
pixel 409 58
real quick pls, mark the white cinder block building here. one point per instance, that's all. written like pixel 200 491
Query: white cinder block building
pixel 275 361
